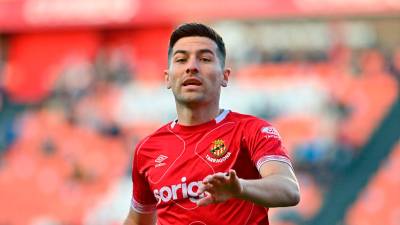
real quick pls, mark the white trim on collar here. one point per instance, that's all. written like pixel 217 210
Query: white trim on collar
pixel 217 119
pixel 174 123
pixel 222 116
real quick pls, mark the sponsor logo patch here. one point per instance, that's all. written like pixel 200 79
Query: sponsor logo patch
pixel 181 190
pixel 270 132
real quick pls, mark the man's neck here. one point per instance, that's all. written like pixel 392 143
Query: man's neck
pixel 189 116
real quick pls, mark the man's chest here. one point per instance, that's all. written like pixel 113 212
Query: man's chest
pixel 180 162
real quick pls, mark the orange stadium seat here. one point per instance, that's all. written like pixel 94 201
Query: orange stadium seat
pixel 371 98
pixel 379 202
pixel 368 96
pixel 296 130
pixel 38 184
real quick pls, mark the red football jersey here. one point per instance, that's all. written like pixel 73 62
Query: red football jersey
pixel 169 165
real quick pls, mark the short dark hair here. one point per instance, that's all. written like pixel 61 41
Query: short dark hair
pixel 200 30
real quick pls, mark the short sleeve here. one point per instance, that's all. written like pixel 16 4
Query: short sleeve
pixel 264 143
pixel 143 200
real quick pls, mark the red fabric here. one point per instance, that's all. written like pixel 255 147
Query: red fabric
pixel 147 48
pixel 169 164
pixel 35 61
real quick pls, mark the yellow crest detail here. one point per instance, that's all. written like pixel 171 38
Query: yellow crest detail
pixel 218 148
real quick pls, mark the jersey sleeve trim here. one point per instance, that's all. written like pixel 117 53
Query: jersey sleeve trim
pixel 140 208
pixel 268 158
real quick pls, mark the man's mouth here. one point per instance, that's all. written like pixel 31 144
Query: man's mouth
pixel 192 82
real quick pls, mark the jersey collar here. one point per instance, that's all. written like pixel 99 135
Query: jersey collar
pixel 217 119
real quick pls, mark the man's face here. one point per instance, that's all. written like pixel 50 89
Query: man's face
pixel 195 74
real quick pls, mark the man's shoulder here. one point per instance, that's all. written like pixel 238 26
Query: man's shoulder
pixel 246 118
pixel 161 131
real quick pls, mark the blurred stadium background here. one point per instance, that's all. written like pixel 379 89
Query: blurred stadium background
pixel 81 82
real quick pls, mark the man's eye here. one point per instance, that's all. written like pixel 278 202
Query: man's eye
pixel 205 59
pixel 180 60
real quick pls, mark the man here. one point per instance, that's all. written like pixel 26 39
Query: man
pixel 211 165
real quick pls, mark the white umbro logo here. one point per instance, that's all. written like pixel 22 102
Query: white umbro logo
pixel 160 160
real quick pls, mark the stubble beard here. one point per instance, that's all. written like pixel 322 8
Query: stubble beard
pixel 190 101
pixel 193 100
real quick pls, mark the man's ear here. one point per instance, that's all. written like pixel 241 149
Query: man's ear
pixel 167 80
pixel 227 73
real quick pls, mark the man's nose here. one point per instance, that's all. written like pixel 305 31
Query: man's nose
pixel 192 67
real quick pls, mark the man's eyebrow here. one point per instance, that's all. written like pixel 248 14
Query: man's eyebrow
pixel 205 50
pixel 201 51
pixel 181 51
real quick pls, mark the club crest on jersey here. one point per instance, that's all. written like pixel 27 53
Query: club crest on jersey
pixel 218 148
pixel 219 152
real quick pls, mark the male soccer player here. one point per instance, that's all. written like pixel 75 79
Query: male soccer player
pixel 211 165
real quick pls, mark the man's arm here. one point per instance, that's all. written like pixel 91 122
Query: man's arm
pixel 135 218
pixel 278 187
